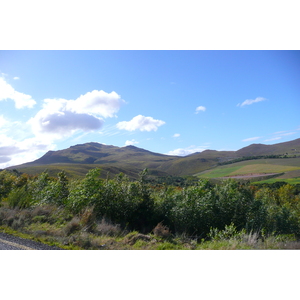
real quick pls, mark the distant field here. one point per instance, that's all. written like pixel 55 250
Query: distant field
pixel 289 166
pixel 218 172
pixel 292 177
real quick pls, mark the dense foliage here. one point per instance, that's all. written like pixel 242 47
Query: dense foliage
pixel 194 209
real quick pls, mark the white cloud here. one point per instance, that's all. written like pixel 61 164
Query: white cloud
pixel 132 142
pixel 176 135
pixel 251 101
pixel 63 123
pixel 8 92
pixel 289 133
pixel 200 108
pixel 251 139
pixel 13 152
pixel 187 151
pixel 16 78
pixel 141 123
pixel 96 102
pixel 60 117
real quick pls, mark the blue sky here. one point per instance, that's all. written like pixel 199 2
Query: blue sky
pixel 171 102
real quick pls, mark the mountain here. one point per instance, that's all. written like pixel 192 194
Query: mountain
pixel 78 159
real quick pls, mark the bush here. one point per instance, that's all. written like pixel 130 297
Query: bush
pixel 20 198
pixel 85 192
pixel 229 233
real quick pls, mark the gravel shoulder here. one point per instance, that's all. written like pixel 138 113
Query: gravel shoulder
pixel 10 242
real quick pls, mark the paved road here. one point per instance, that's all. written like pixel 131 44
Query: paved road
pixel 9 242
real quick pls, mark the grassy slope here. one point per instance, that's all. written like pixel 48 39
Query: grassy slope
pixel 291 147
pixel 290 166
pixel 80 170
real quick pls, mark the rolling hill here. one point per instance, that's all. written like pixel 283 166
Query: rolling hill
pixel 130 160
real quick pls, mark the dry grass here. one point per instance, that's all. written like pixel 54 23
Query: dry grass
pixel 107 228
pixel 134 236
pixel 251 239
pixel 72 226
pixel 87 219
pixel 161 230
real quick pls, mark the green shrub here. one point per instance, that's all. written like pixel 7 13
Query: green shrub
pixel 20 198
pixel 229 233
pixel 85 192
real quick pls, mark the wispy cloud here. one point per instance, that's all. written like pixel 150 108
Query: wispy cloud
pixel 176 135
pixel 279 132
pixel 279 135
pixel 141 123
pixel 16 78
pixel 288 133
pixel 251 139
pixel 273 139
pixel 251 101
pixel 200 108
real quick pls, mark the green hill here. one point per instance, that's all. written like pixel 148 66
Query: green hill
pixel 131 160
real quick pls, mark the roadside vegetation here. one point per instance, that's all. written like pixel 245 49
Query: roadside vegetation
pixel 117 213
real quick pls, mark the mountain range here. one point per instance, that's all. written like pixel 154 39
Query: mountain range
pixel 78 159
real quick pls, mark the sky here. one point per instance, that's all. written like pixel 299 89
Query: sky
pixel 169 102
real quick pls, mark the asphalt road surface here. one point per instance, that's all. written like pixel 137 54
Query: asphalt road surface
pixel 9 242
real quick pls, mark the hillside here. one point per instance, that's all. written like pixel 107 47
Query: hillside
pixel 78 159
pixel 196 162
pixel 291 148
